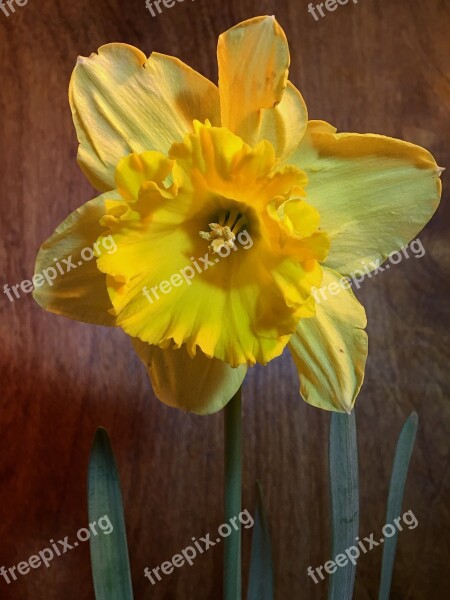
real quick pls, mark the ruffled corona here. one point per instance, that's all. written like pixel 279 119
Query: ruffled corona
pixel 178 233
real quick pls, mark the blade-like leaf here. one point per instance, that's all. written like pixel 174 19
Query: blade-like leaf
pixel 344 500
pixel 260 583
pixel 400 467
pixel 109 553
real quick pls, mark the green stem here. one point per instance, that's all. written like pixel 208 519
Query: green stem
pixel 344 502
pixel 232 589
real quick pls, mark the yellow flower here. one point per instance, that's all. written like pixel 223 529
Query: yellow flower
pixel 224 209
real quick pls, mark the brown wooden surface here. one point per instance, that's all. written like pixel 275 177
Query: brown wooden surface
pixel 378 66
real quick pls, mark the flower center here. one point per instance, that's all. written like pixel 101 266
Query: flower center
pixel 226 224
pixel 220 237
pixel 223 233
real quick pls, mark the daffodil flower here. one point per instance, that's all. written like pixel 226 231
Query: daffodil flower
pixel 185 167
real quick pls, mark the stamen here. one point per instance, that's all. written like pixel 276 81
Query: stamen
pixel 220 237
pixel 235 221
pixel 227 216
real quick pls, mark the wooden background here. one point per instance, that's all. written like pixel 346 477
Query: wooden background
pixel 377 66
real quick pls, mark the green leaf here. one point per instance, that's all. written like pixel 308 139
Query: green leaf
pixel 109 553
pixel 232 585
pixel 402 459
pixel 344 501
pixel 260 584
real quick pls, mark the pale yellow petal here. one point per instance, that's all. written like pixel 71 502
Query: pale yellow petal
pixel 374 193
pixel 67 280
pixel 330 349
pixel 200 385
pixel 123 102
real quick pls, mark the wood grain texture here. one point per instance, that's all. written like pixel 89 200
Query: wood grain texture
pixel 374 66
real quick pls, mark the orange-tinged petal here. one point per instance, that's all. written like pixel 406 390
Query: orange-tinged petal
pixel 284 126
pixel 253 61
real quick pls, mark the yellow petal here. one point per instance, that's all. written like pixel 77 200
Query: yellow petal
pixel 70 283
pixel 122 102
pixel 374 193
pixel 330 350
pixel 200 385
pixel 253 61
